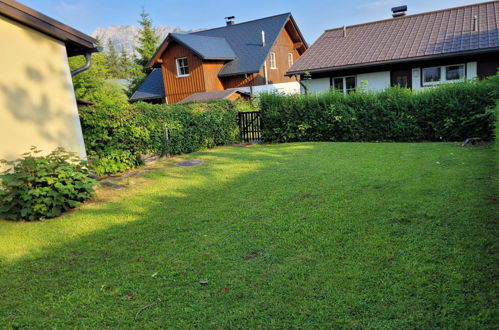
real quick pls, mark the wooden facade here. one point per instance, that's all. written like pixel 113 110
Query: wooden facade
pixel 178 88
pixel 203 74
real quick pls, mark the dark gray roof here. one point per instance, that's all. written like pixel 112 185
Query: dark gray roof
pixel 245 39
pixel 210 96
pixel 208 48
pixel 151 88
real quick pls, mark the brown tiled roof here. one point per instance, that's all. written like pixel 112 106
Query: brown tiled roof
pixel 210 96
pixel 436 33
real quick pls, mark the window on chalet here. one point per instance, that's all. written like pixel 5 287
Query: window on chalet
pixel 442 74
pixel 182 67
pixel 290 59
pixel 272 61
pixel 344 84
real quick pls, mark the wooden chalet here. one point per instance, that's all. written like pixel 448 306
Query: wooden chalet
pixel 251 56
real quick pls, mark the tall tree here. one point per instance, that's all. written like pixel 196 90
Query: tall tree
pixel 124 64
pixel 112 61
pixel 148 39
pixel 148 42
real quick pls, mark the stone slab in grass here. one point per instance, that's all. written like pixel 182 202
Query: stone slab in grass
pixel 189 163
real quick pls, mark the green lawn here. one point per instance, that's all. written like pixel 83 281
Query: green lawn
pixel 308 235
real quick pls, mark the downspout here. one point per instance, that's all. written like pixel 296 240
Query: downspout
pixel 302 85
pixel 265 72
pixel 88 59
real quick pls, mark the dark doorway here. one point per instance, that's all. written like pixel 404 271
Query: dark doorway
pixel 403 78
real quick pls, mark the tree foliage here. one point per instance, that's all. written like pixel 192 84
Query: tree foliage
pixel 148 42
pixel 148 39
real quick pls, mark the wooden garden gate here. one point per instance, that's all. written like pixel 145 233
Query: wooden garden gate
pixel 250 126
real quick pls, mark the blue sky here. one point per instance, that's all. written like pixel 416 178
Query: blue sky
pixel 312 16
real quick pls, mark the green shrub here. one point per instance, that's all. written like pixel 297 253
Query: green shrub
pixel 448 112
pixel 37 187
pixel 117 137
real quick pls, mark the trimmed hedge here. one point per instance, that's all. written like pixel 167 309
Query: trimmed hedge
pixel 117 137
pixel 449 112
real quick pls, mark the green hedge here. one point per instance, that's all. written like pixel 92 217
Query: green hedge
pixel 117 137
pixel 449 112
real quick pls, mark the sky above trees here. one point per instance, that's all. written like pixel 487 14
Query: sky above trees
pixel 313 16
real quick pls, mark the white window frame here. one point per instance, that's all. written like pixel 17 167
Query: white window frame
pixel 272 61
pixel 443 75
pixel 344 79
pixel 179 75
pixel 290 59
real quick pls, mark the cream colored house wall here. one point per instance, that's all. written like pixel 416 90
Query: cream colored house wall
pixel 37 102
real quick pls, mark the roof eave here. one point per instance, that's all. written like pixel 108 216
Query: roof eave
pixel 236 74
pixel 40 22
pixel 404 60
pixel 132 99
pixel 219 58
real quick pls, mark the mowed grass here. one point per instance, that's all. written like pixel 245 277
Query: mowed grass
pixel 308 235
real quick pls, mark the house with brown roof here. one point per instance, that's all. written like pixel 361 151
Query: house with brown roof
pixel 414 51
pixel 245 57
pixel 37 101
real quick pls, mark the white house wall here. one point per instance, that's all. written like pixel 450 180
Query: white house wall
pixel 376 81
pixel 284 88
pixel 319 85
pixel 381 80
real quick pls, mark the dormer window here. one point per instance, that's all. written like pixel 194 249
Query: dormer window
pixel 272 61
pixel 182 67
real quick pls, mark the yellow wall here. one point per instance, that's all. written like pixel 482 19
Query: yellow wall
pixel 37 102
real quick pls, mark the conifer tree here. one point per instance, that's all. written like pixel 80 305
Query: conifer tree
pixel 148 40
pixel 112 61
pixel 124 64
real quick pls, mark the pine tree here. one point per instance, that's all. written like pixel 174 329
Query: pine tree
pixel 112 61
pixel 124 64
pixel 148 40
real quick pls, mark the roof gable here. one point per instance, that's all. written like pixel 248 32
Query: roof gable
pixel 436 33
pixel 240 44
pixel 246 41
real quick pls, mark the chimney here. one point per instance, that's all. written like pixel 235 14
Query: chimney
pixel 399 11
pixel 263 38
pixel 229 20
pixel 475 23
pixel 344 31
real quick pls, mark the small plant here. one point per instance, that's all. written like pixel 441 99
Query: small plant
pixel 36 187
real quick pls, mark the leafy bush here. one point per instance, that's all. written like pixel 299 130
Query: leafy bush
pixel 118 136
pixel 448 112
pixel 37 187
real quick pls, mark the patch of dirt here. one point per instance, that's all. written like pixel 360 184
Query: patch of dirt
pixel 244 144
pixel 253 255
